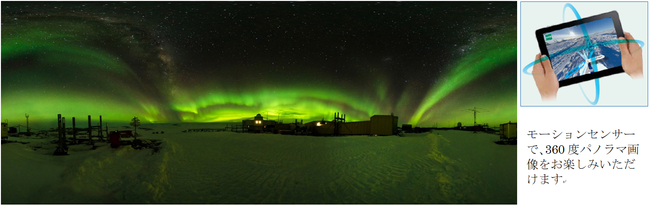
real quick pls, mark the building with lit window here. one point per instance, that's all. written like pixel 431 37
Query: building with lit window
pixel 258 124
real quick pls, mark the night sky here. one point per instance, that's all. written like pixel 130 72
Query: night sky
pixel 426 62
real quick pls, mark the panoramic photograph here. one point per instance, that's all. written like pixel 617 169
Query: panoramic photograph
pixel 259 102
pixel 578 61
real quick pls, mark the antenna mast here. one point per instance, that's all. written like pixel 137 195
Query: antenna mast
pixel 475 111
pixel 27 117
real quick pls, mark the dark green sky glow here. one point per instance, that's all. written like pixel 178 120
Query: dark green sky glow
pixel 426 62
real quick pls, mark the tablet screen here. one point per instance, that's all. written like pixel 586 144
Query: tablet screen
pixel 583 49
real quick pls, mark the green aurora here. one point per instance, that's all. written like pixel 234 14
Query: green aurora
pixel 491 55
pixel 79 66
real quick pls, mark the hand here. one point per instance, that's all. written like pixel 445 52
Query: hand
pixel 631 56
pixel 545 79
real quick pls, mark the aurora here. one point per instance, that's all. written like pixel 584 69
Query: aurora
pixel 170 62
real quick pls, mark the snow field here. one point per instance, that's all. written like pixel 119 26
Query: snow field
pixel 226 167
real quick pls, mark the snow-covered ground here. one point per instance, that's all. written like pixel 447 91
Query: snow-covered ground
pixel 227 167
pixel 563 64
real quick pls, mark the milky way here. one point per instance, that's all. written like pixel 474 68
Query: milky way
pixel 426 62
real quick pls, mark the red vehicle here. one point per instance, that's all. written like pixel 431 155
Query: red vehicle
pixel 114 138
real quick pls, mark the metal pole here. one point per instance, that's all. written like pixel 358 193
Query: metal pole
pixel 474 116
pixel 63 128
pixel 100 127
pixel 28 130
pixel 59 125
pixel 74 131
pixel 62 149
pixel 90 132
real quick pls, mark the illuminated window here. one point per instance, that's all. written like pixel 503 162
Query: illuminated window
pixel 258 121
pixel 318 124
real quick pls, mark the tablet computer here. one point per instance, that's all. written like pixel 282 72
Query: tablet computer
pixel 583 49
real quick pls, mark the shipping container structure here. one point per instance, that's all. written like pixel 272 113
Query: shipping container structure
pixel 355 128
pixel 508 131
pixel 383 125
pixel 5 131
pixel 408 128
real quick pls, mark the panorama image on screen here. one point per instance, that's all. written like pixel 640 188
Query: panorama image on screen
pixel 570 54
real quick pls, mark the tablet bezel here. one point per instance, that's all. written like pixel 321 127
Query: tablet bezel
pixel 619 33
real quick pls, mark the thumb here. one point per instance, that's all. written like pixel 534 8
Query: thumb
pixel 633 46
pixel 546 63
pixel 622 43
